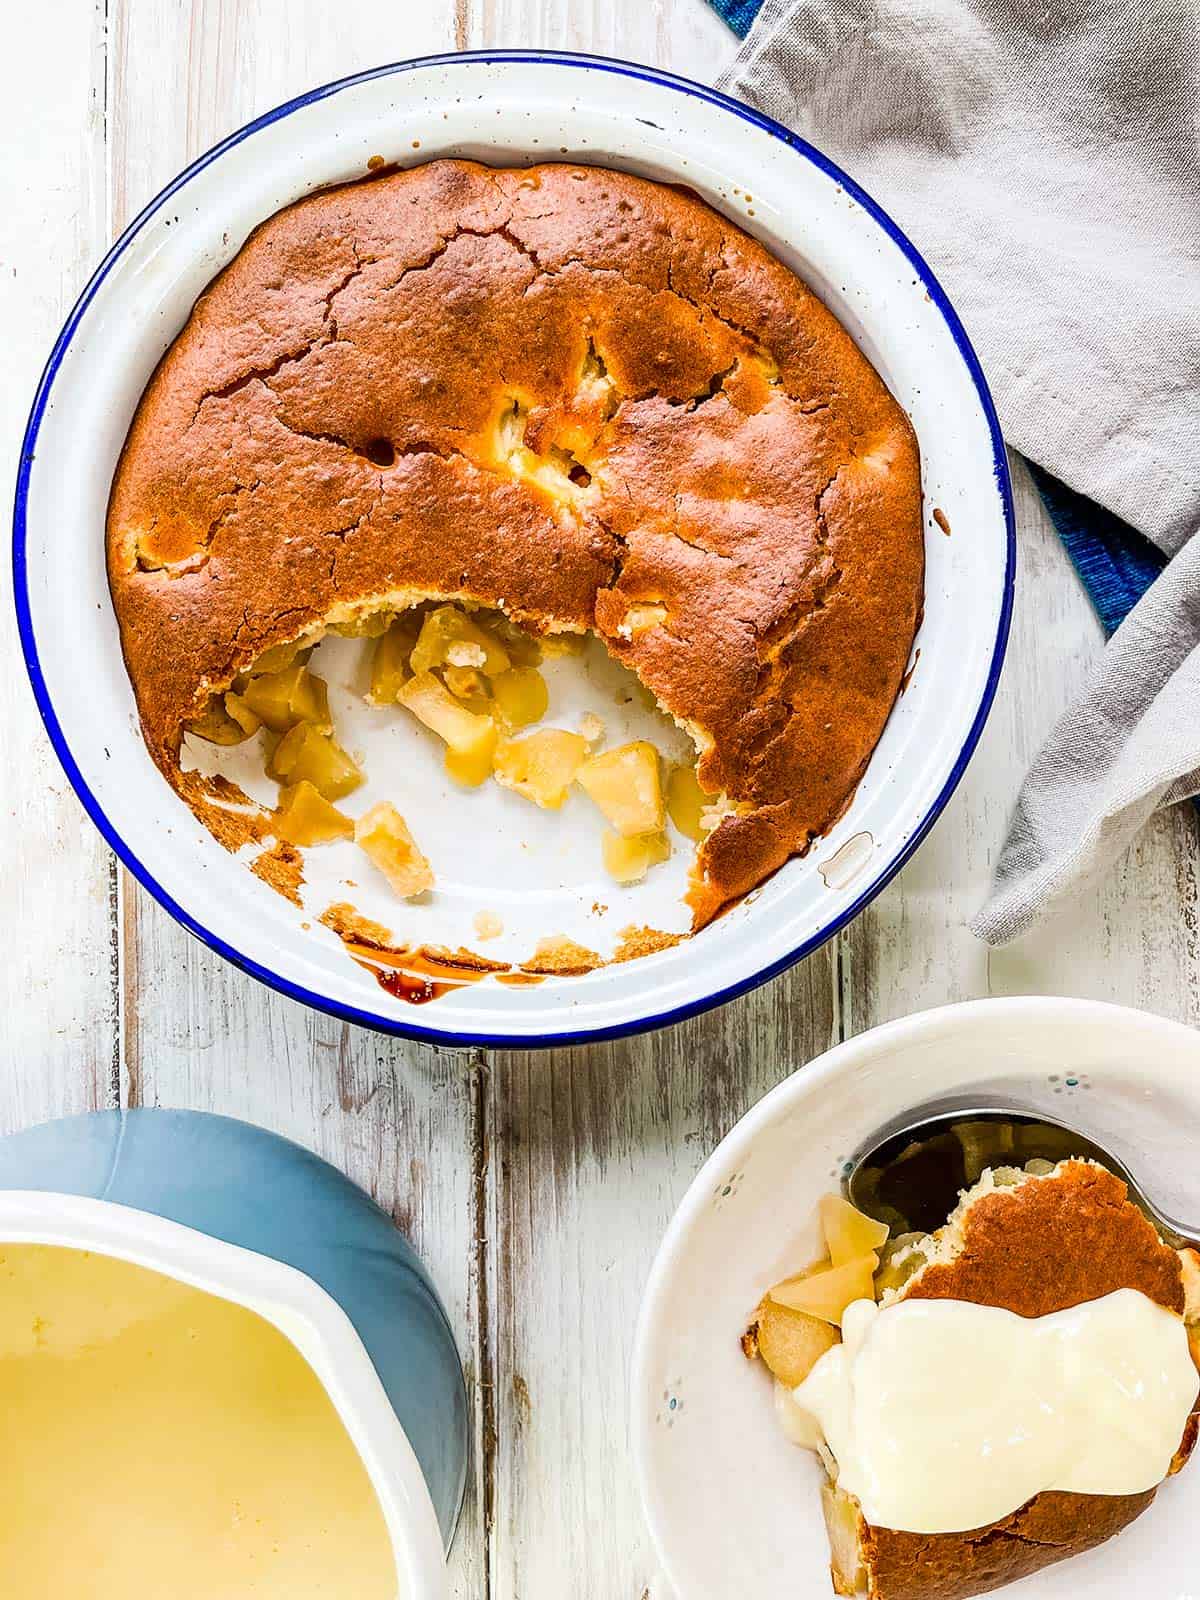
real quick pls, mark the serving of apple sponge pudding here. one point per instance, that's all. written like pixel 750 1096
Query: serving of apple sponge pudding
pixel 993 1397
pixel 577 399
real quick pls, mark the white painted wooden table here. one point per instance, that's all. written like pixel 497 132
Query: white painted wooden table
pixel 536 1186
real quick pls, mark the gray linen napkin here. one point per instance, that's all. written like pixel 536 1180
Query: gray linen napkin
pixel 1042 155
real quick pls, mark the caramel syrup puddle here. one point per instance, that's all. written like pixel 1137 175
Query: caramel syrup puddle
pixel 423 974
pixel 418 974
pixel 406 986
pixel 418 991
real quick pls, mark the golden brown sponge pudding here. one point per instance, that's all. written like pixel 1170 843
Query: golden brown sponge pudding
pixel 578 396
pixel 1033 1247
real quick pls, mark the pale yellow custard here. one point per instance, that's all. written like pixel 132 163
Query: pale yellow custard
pixel 944 1415
pixel 163 1443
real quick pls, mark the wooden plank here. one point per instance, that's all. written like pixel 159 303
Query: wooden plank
pixel 685 35
pixel 401 1120
pixel 1129 937
pixel 185 74
pixel 58 991
pixel 592 1150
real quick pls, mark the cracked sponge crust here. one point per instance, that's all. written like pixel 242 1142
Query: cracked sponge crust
pixel 564 391
pixel 1043 1246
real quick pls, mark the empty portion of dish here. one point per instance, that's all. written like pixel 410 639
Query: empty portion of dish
pixel 581 400
pixel 1047 1296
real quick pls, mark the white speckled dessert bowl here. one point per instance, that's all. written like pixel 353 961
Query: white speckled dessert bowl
pixel 733 1507
pixel 541 874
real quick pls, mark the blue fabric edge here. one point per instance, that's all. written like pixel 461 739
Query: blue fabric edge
pixel 739 14
pixel 1115 562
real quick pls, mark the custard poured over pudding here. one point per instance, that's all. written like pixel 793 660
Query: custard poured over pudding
pixel 566 394
pixel 162 1443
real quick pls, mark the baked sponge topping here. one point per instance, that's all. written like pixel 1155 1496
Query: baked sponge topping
pixel 569 395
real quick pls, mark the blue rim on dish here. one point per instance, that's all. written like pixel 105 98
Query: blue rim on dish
pixel 395 1025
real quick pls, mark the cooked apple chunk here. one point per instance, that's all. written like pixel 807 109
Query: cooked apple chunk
pixel 564 644
pixel 431 702
pixel 217 725
pixel 390 659
pixel 384 836
pixel 790 1342
pixel 624 784
pixel 827 1294
pixel 541 766
pixel 278 657
pixel 236 707
pixel 470 738
pixel 305 817
pixel 293 695
pixel 522 648
pixel 849 1234
pixel 450 638
pixel 472 767
pixel 521 696
pixel 470 686
pixel 304 755
pixel 686 801
pixel 628 859
pixel 367 625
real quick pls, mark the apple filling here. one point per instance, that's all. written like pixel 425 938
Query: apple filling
pixel 628 859
pixel 472 680
pixel 541 766
pixel 797 1320
pixel 470 739
pixel 282 699
pixel 305 817
pixel 383 835
pixel 625 786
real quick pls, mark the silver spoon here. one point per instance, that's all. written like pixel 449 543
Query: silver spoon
pixel 910 1173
